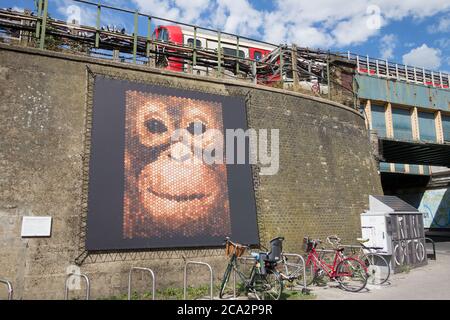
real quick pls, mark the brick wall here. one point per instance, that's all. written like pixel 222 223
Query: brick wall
pixel 326 172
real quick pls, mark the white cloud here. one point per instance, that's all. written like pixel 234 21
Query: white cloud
pixel 442 26
pixel 317 23
pixel 423 56
pixel 387 46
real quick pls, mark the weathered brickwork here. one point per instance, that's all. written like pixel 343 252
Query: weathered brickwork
pixel 326 172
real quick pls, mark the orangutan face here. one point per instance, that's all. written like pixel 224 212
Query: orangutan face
pixel 168 191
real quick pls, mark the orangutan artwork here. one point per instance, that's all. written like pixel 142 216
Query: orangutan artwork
pixel 166 193
pixel 159 174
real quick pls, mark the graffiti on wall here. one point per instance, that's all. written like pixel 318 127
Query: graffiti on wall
pixel 435 205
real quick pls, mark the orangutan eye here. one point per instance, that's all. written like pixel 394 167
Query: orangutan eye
pixel 196 128
pixel 155 126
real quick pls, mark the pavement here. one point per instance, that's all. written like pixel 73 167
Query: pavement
pixel 430 282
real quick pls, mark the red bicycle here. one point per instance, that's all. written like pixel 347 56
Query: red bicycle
pixel 349 272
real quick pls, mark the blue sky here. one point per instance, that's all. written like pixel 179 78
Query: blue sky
pixel 415 32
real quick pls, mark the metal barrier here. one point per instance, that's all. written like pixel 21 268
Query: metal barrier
pixel 81 275
pixel 304 290
pixel 431 256
pixel 9 286
pixel 152 274
pixel 185 277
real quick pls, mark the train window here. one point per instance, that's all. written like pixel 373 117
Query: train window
pixel 257 55
pixel 163 35
pixel 198 43
pixel 232 52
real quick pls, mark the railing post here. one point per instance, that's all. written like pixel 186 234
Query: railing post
pixel 149 36
pixel 219 53
pixel 97 25
pixel 254 77
pixel 194 53
pixel 281 66
pixel 44 25
pixel 38 19
pixel 328 77
pixel 294 66
pixel 237 55
pixel 135 35
pixel 368 64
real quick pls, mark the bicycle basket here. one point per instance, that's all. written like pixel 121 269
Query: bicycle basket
pixel 231 248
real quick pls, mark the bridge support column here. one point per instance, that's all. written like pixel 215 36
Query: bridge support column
pixel 438 126
pixel 389 124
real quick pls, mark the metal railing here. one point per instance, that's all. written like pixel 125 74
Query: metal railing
pixel 80 275
pixel 9 286
pixel 431 256
pixel 152 274
pixel 303 267
pixel 185 277
pixel 401 72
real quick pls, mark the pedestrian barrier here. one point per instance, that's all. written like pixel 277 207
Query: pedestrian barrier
pixel 431 256
pixel 81 275
pixel 152 274
pixel 185 277
pixel 9 286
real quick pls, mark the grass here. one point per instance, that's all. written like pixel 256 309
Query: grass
pixel 171 293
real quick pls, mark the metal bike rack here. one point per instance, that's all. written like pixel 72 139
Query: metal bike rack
pixel 431 256
pixel 81 275
pixel 304 267
pixel 185 277
pixel 152 274
pixel 9 286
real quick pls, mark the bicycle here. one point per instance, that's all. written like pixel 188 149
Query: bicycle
pixel 349 272
pixel 264 280
pixel 377 267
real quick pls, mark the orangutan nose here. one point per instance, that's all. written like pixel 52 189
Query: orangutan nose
pixel 180 152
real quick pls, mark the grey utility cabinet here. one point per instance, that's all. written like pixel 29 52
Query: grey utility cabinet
pixel 397 227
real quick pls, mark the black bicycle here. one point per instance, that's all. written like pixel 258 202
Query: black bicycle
pixel 264 280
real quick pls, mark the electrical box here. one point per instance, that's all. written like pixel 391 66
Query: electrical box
pixel 397 228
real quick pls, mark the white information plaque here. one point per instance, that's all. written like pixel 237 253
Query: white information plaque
pixel 36 226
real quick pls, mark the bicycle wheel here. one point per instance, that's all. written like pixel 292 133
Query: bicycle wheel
pixel 351 275
pixel 226 277
pixel 378 268
pixel 272 287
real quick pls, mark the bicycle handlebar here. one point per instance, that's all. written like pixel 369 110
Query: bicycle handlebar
pixel 333 240
pixel 227 239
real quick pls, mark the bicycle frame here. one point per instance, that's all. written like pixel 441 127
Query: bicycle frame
pixel 330 269
pixel 248 280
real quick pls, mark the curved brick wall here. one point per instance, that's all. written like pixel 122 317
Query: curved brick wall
pixel 326 171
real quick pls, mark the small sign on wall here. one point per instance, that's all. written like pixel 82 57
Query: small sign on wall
pixel 36 226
